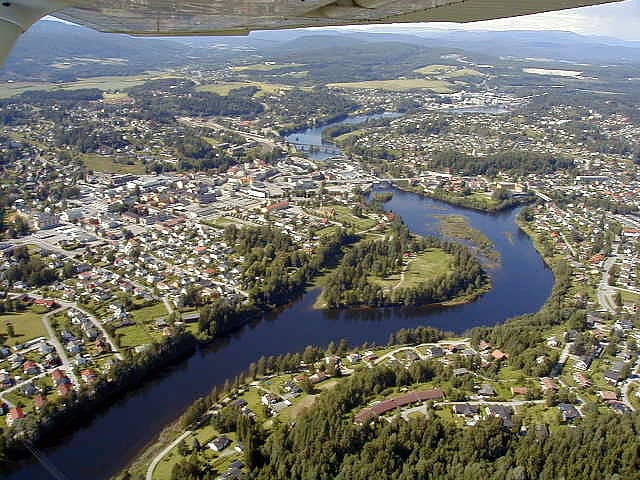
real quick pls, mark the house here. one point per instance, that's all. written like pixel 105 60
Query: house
pixel 391 404
pixel 466 410
pixel 568 411
pixel 582 379
pixel 612 376
pixel 239 403
pixel 269 399
pixel 608 396
pixel 486 390
pixel 618 407
pixel 553 342
pixel 502 412
pixel 30 368
pixel 29 389
pixel 524 391
pixel 89 375
pixel 6 380
pixel 59 377
pixel 14 415
pixel 291 387
pixel 499 355
pixel 435 351
pixel 64 389
pixel 318 377
pixel 460 371
pixel 47 303
pixel 219 444
pixel 584 362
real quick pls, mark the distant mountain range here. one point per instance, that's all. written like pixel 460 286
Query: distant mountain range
pixel 58 51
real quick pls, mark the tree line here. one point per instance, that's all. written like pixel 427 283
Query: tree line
pixel 274 271
pixel 518 162
pixel 350 283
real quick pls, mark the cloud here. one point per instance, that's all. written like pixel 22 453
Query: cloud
pixel 620 20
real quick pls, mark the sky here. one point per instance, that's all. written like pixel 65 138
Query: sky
pixel 619 20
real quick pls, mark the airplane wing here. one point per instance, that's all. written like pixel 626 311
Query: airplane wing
pixel 239 17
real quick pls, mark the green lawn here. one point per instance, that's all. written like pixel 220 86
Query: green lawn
pixel 133 336
pixel 426 266
pixel 223 88
pixel 101 163
pixel 435 69
pixel 147 314
pixel 401 85
pixel 27 325
pixel 109 83
pixel 630 297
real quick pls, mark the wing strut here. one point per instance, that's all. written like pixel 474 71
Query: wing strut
pixel 16 18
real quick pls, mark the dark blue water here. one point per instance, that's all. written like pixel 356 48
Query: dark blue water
pixel 313 136
pixel 108 442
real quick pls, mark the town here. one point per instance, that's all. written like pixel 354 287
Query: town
pixel 123 237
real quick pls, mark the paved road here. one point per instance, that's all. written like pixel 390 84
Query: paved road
pixel 562 360
pixel 45 245
pixel 92 318
pixel 66 364
pixel 163 453
pixel 604 290
pixel 53 338
pixel 100 327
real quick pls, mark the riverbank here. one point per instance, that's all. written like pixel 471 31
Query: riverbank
pixel 522 286
pixel 457 227
pixel 477 202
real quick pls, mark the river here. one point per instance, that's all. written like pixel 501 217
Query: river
pixel 313 136
pixel 115 435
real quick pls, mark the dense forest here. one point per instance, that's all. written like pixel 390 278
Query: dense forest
pixel 163 100
pixel 350 283
pixel 274 271
pixel 515 162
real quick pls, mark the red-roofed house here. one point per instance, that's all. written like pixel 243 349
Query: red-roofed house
pixel 64 389
pixel 499 355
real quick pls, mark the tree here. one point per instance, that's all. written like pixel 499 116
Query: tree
pixel 10 330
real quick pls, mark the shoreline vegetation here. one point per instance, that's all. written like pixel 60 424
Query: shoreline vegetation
pixel 218 320
pixel 475 202
pixel 402 269
pixel 555 302
pixel 458 227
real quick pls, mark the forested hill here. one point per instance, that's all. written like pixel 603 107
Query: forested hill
pixel 57 51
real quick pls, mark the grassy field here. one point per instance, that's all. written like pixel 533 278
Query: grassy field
pixel 464 72
pixel 133 336
pixel 100 163
pixel 426 266
pixel 223 88
pixel 448 71
pixel 102 83
pixel 147 314
pixel 27 325
pixel 344 215
pixel 630 297
pixel 435 69
pixel 401 85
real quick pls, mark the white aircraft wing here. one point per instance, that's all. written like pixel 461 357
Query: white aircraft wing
pixel 239 17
